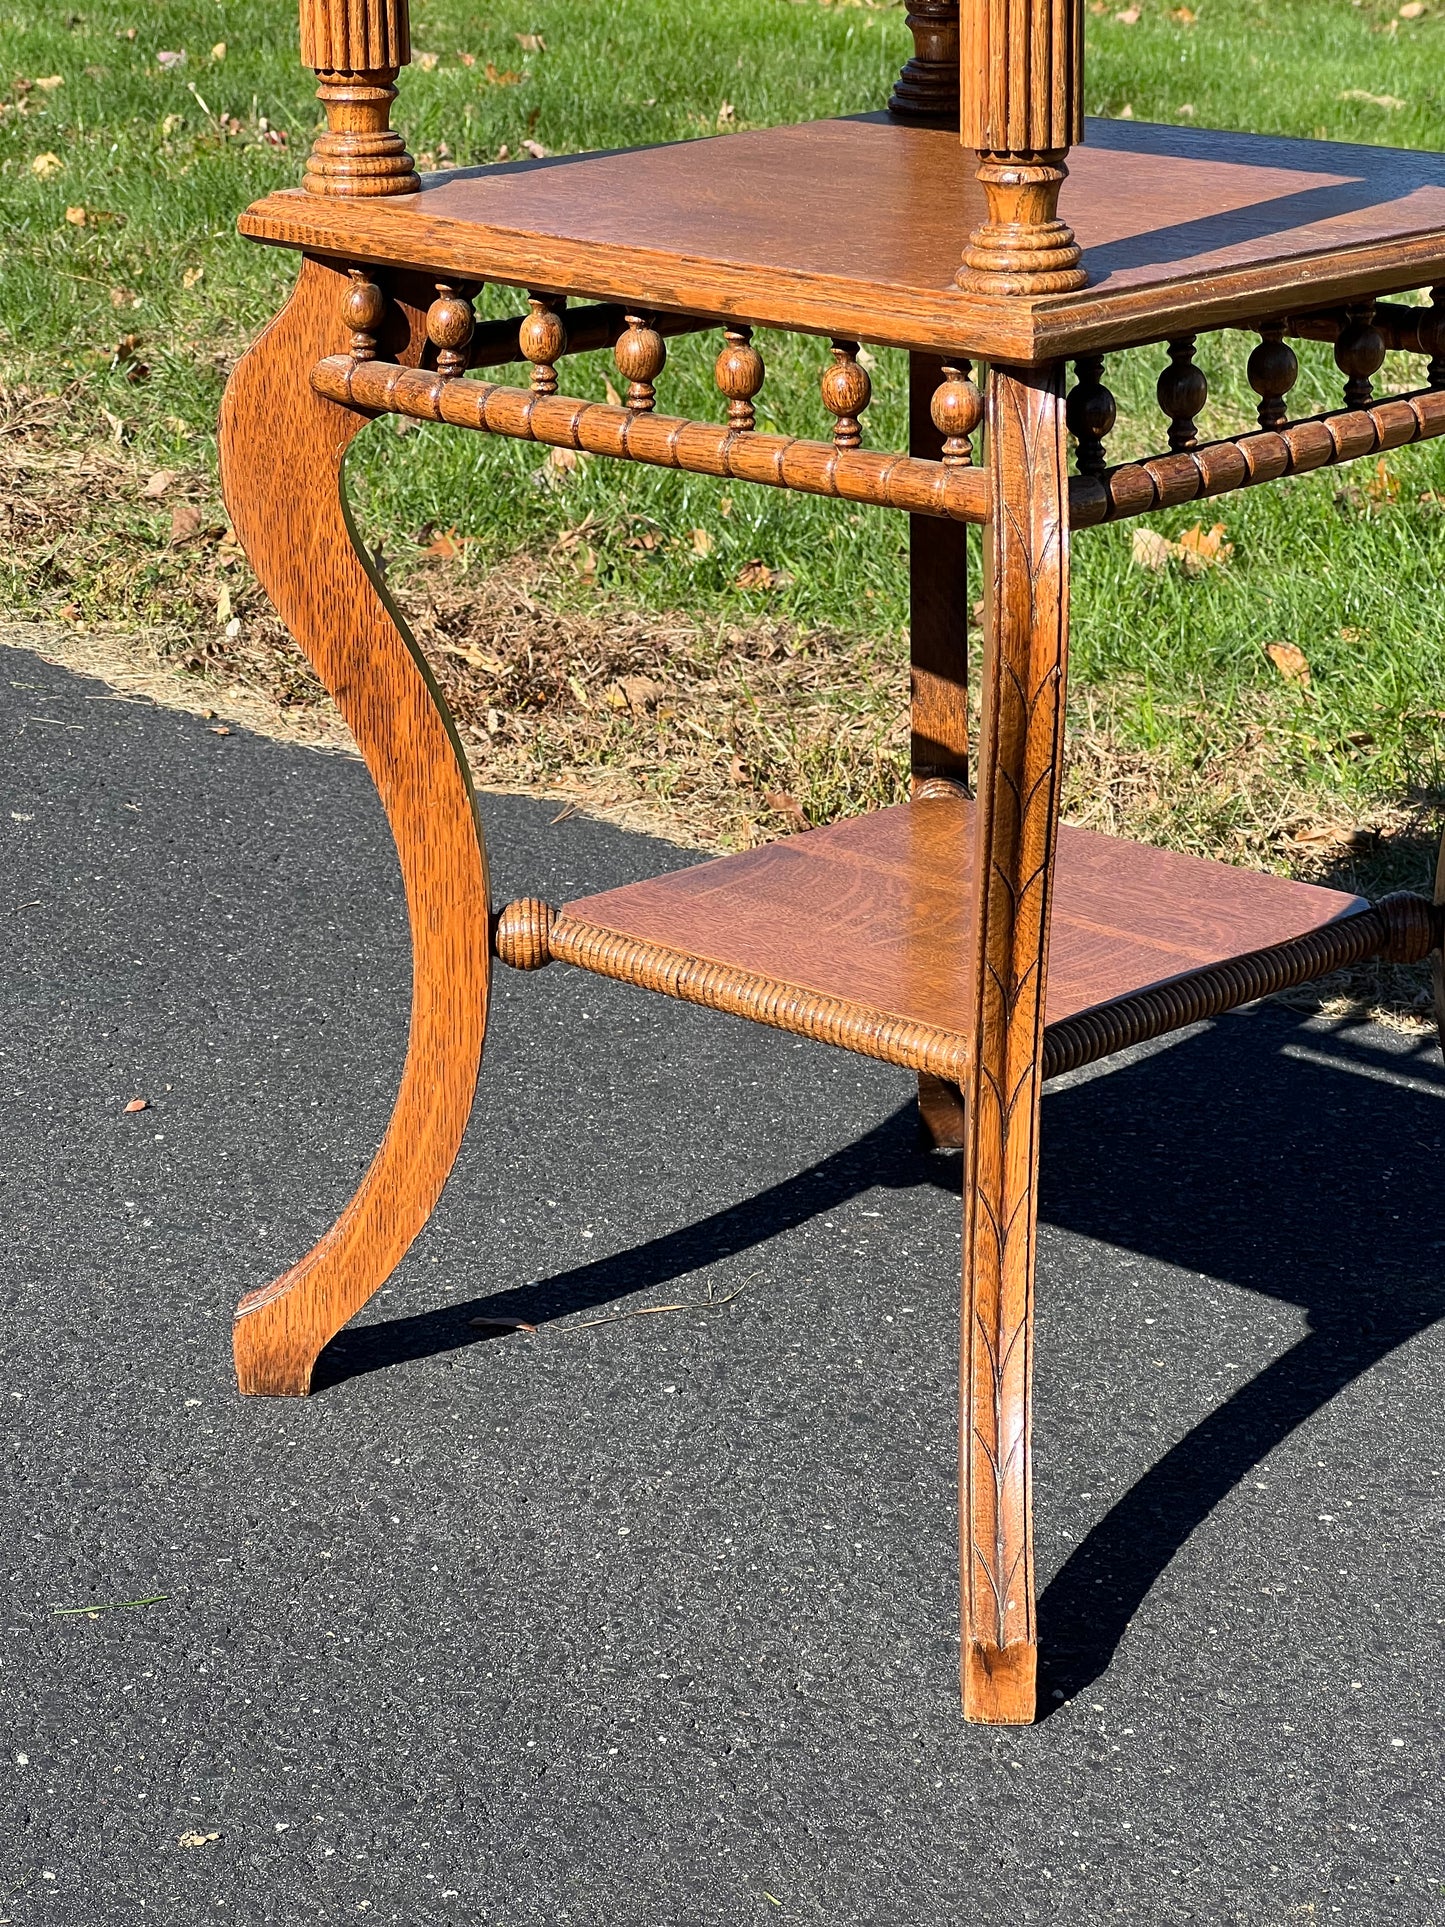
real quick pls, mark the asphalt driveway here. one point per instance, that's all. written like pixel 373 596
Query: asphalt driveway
pixel 653 1621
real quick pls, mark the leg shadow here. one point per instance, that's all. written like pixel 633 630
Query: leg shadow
pixel 1276 1159
pixel 891 1155
pixel 1087 1607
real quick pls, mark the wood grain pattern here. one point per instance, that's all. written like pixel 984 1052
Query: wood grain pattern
pixel 1183 229
pixel 356 48
pixel 878 910
pixel 927 89
pixel 637 433
pixel 938 611
pixel 512 339
pixel 529 934
pixel 354 36
pixel 1022 109
pixel 1218 468
pixel 1016 818
pixel 1401 927
pixel 1023 75
pixel 282 447
pixel 937 605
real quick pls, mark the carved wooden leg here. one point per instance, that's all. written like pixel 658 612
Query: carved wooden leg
pixel 1026 594
pixel 281 454
pixel 937 677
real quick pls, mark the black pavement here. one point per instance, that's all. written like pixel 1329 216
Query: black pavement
pixel 654 1621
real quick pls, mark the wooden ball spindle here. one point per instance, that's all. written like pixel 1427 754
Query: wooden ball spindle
pixel 363 309
pixel 1359 355
pixel 1090 413
pixel 957 410
pixel 739 375
pixel 847 391
pixel 1273 371
pixel 450 325
pixel 542 338
pixel 1435 373
pixel 522 933
pixel 1182 392
pixel 640 354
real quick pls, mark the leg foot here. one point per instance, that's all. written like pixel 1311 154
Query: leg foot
pixel 282 448
pixel 1000 1684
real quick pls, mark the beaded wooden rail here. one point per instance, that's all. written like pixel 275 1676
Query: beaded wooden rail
pixel 528 934
pixel 1220 468
pixel 667 441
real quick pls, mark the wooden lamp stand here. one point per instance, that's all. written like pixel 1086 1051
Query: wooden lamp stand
pixel 964 935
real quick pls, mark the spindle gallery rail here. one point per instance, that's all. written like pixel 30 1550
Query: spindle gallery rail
pixel 950 487
pixel 974 939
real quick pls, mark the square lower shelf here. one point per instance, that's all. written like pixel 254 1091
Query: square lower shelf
pixel 861 932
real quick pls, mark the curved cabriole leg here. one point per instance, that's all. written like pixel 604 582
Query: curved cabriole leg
pixel 1026 599
pixel 281 449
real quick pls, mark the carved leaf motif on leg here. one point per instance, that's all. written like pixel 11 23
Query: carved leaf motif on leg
pixel 1016 820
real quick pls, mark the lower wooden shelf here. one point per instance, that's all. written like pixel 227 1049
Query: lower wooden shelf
pixel 860 934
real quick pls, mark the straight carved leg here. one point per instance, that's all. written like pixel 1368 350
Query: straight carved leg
pixel 282 448
pixel 1027 600
pixel 937 676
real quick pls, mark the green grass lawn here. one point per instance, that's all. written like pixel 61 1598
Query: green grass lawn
pixel 125 292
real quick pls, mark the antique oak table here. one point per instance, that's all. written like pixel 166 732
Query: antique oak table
pixel 964 935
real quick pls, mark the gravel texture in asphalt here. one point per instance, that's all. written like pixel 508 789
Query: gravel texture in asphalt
pixel 652 1622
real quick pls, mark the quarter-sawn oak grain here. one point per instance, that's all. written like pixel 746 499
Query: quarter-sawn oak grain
pixel 1182 229
pixel 282 446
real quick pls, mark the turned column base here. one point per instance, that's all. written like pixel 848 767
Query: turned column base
pixel 1023 247
pixel 360 155
pixel 926 92
pixel 1000 1684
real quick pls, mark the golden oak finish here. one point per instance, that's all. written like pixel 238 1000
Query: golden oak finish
pixel 528 934
pixel 356 52
pixel 945 409
pixel 879 909
pixel 1218 468
pixel 740 374
pixel 637 433
pixel 1019 772
pixel 975 942
pixel 1182 229
pixel 282 447
pixel 927 89
pixel 1022 102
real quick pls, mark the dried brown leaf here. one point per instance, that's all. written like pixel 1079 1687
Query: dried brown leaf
pixel 1291 662
pixel 1151 550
